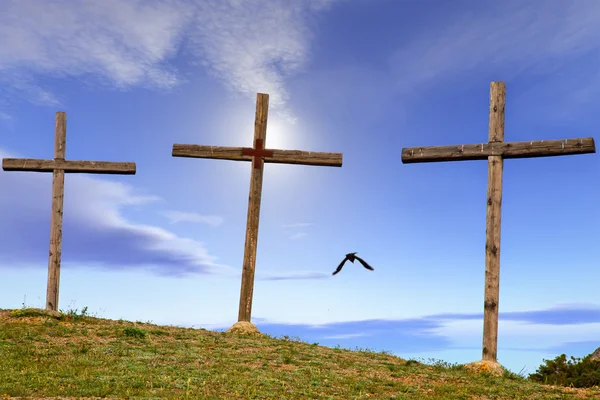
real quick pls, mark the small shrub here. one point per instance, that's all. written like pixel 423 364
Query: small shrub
pixel 27 312
pixel 575 372
pixel 134 332
pixel 73 315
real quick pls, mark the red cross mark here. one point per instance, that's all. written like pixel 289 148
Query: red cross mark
pixel 258 152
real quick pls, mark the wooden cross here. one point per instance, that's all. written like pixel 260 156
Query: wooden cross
pixel 257 154
pixel 495 152
pixel 58 167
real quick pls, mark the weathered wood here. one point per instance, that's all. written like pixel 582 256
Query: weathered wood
pixel 495 151
pixel 492 227
pixel 278 157
pixel 59 166
pixel 58 190
pixel 258 155
pixel 464 152
pixel 71 166
pixel 252 221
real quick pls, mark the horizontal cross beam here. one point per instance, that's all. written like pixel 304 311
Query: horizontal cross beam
pixel 535 148
pixel 279 156
pixel 73 166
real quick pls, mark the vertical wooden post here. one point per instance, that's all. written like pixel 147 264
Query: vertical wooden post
pixel 493 213
pixel 254 198
pixel 58 190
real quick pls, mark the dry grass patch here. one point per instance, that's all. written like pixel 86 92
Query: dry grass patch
pixel 76 356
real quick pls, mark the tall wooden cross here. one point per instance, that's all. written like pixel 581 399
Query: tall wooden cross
pixel 495 151
pixel 58 166
pixel 257 154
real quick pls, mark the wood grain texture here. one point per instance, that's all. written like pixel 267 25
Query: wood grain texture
pixel 481 151
pixel 279 156
pixel 56 217
pixel 71 166
pixel 258 153
pixel 492 228
pixel 59 166
pixel 252 221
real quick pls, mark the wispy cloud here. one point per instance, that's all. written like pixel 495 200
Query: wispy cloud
pixel 179 216
pixel 346 336
pixel 393 335
pixel 252 46
pixel 442 332
pixel 439 336
pixel 121 43
pixel 506 39
pixel 298 235
pixel 297 225
pixel 565 314
pixel 291 230
pixel 293 275
pixel 95 232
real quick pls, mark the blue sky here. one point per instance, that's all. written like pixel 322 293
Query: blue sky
pixel 364 78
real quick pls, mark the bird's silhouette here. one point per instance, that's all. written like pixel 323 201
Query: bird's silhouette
pixel 351 257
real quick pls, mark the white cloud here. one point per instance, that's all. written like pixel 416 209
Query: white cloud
pixel 347 336
pixel 95 231
pixel 517 334
pixel 293 275
pixel 298 235
pixel 573 306
pixel 123 42
pixel 252 45
pixel 298 225
pixel 178 216
pixel 320 5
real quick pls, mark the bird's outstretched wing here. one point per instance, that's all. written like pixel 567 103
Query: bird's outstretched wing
pixel 339 268
pixel 364 263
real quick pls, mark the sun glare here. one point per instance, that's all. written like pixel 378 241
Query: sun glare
pixel 236 129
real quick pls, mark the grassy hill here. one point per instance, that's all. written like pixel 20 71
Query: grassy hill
pixel 71 355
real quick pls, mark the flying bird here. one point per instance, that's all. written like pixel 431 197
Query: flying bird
pixel 351 257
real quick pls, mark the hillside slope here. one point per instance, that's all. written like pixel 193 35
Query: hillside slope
pixel 76 356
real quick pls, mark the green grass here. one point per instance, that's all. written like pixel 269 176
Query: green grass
pixel 73 355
